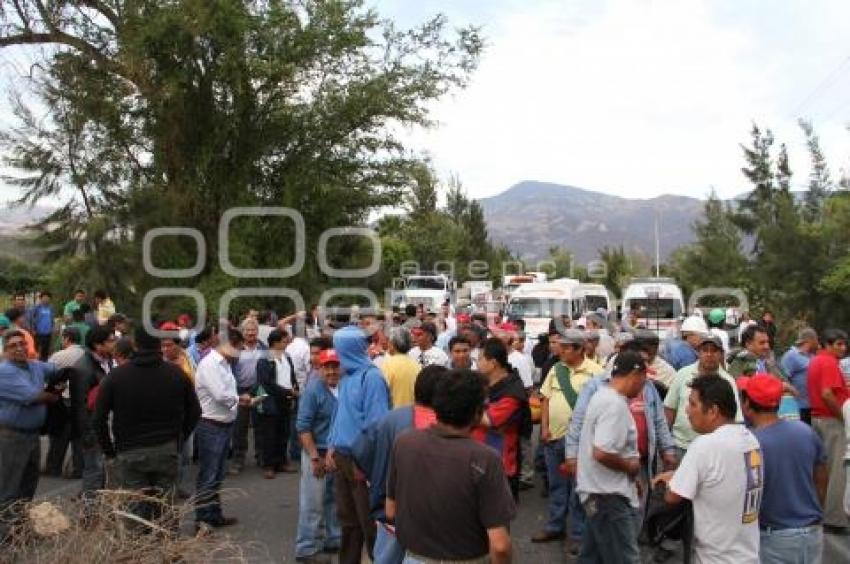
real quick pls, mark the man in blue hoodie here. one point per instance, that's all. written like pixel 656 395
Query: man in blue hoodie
pixel 363 399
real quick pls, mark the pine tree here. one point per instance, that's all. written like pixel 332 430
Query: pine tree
pixel 820 180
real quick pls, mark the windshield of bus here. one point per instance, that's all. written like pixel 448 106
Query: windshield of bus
pixel 426 284
pixel 538 307
pixel 660 308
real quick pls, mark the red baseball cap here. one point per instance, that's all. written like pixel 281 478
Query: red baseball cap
pixel 169 326
pixel 764 389
pixel 463 318
pixel 327 356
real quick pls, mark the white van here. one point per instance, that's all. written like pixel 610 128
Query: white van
pixel 538 304
pixel 658 301
pixel 595 296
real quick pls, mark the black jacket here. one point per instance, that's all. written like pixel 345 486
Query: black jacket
pixel 87 374
pixel 151 401
pixel 279 399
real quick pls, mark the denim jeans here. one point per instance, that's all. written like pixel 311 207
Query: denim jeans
pixel 562 497
pixel 387 548
pixel 94 475
pixel 294 443
pixel 318 527
pixel 611 534
pixel 241 429
pixel 183 483
pixel 791 546
pixel 411 558
pixel 20 454
pixel 212 441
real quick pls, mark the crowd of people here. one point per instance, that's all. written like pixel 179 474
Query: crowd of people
pixel 416 433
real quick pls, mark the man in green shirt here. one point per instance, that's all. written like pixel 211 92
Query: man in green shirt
pixel 710 353
pixel 74 305
pixel 78 322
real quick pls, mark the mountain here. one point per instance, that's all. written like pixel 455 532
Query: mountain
pixel 14 218
pixel 532 216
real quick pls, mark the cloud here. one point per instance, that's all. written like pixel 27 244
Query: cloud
pixel 636 97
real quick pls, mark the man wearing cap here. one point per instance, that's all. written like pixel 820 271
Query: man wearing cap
pixel 400 370
pixel 318 529
pixel 425 353
pixel 795 476
pixel 676 401
pixel 215 385
pixel 647 409
pixel 683 352
pixel 722 474
pixel 795 363
pixel 560 391
pixel 608 465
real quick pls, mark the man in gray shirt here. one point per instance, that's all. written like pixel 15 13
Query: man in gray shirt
pixel 608 463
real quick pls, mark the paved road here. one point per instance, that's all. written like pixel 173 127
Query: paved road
pixel 268 512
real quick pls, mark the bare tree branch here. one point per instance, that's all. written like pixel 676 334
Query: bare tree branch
pixel 104 10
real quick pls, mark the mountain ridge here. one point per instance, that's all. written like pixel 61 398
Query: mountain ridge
pixel 585 221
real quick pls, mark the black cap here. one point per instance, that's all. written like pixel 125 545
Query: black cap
pixel 627 362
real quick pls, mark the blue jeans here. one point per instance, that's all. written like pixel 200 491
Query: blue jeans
pixel 318 527
pixel 185 463
pixel 94 476
pixel 611 535
pixel 212 442
pixel 387 548
pixel 562 497
pixel 293 440
pixel 791 546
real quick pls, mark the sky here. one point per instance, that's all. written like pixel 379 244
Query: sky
pixel 635 98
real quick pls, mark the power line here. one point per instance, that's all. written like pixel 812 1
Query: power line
pixel 824 84
pixel 837 109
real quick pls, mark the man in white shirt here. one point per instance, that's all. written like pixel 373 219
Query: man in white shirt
pixel 425 353
pixel 215 385
pixel 608 464
pixel 722 474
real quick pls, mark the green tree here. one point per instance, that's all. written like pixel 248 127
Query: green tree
pixel 820 181
pixel 193 107
pixel 619 267
pixel 715 259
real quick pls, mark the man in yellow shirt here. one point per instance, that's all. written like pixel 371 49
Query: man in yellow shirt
pixel 560 392
pixel 399 369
